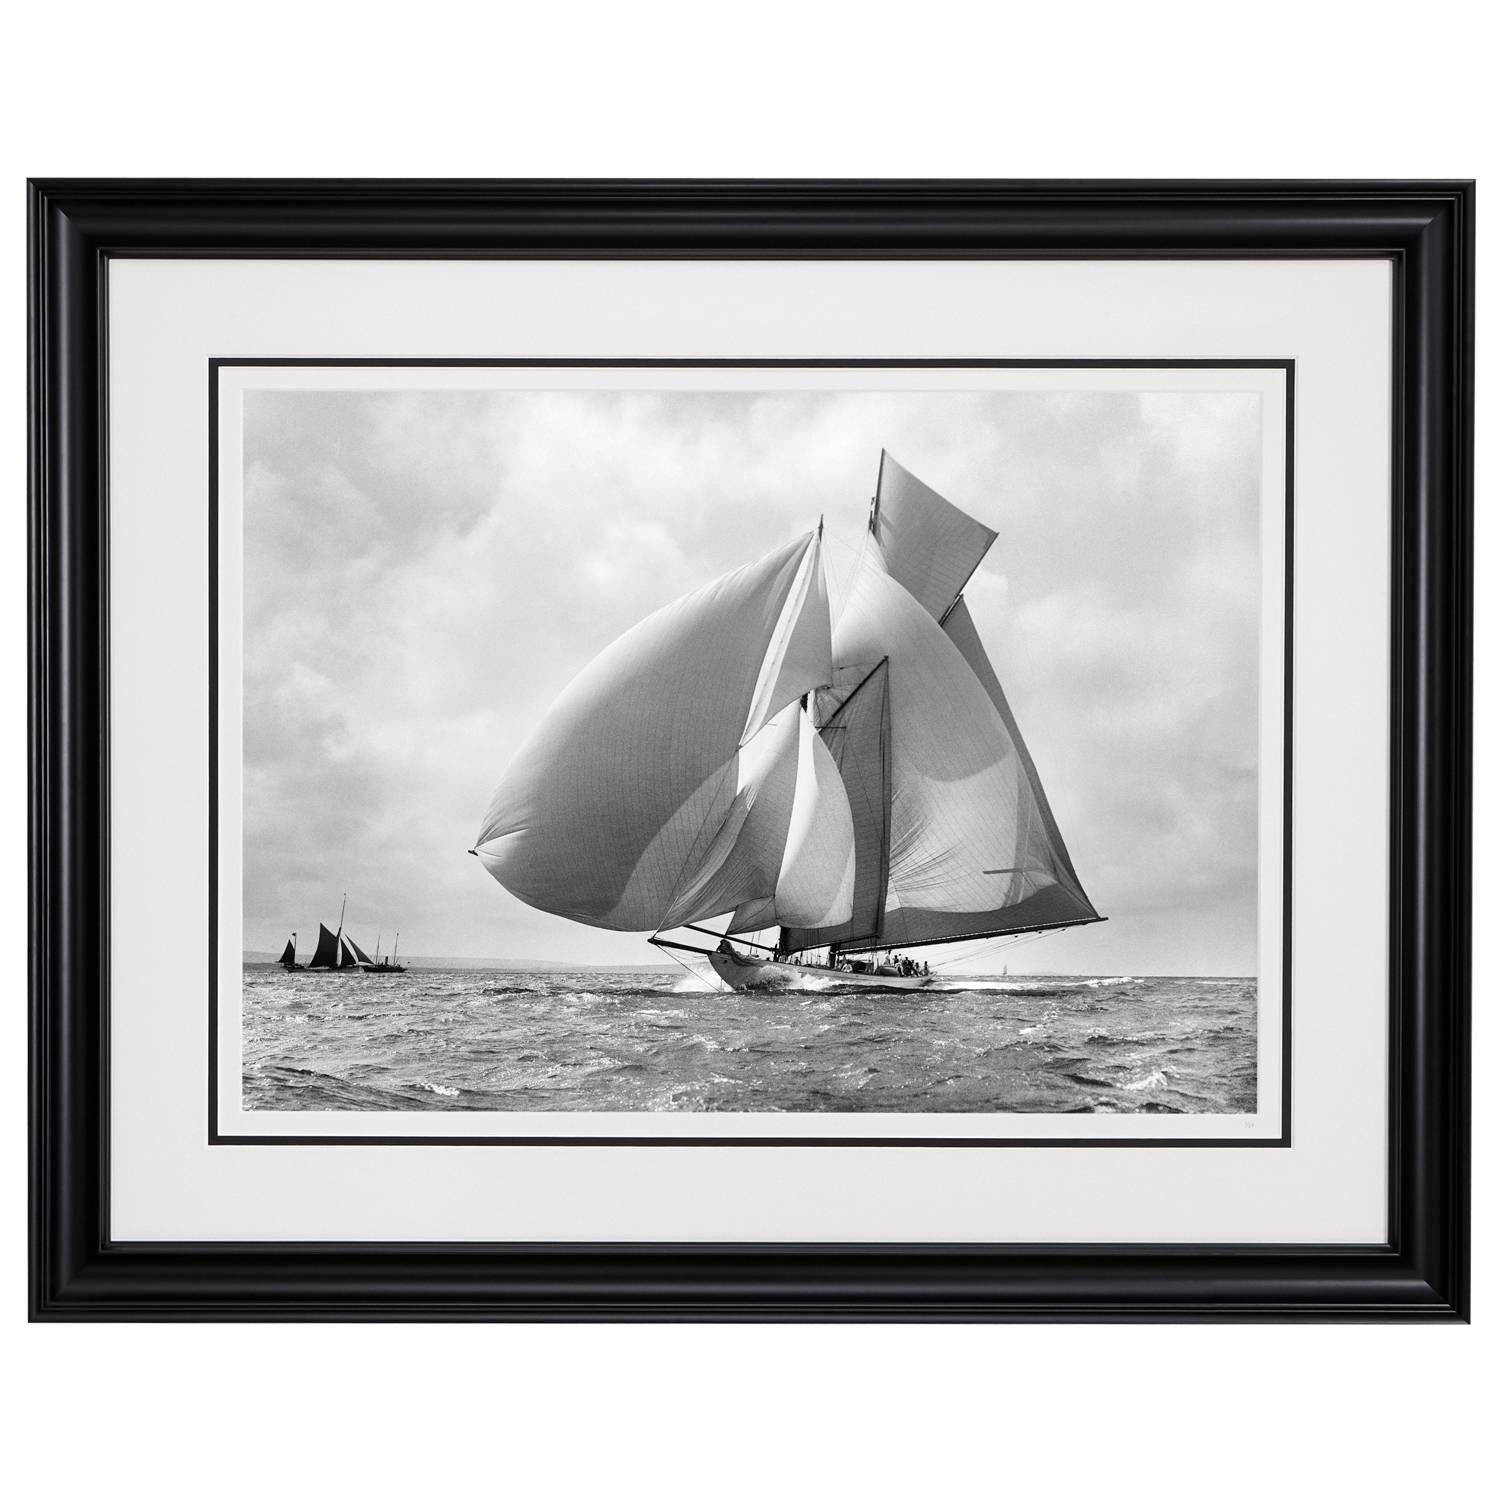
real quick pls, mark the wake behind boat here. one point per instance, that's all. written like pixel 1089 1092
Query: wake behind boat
pixel 850 786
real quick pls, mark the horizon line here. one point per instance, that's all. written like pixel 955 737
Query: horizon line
pixel 269 957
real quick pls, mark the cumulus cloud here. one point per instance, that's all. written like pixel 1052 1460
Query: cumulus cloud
pixel 425 570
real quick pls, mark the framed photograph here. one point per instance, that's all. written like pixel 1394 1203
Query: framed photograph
pixel 751 750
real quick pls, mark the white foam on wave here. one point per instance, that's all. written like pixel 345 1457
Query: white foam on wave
pixel 812 984
pixel 956 983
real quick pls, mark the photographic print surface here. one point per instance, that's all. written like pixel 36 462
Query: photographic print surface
pixel 798 747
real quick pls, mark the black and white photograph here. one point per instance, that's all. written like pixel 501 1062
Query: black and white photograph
pixel 774 751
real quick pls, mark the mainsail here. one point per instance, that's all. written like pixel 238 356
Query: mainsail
pixel 288 959
pixel 857 785
pixel 327 954
pixel 972 847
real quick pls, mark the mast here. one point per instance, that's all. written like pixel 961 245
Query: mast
pixel 875 498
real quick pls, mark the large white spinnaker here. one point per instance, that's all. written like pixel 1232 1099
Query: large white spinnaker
pixel 616 800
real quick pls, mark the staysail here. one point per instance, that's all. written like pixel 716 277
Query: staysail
pixel 743 853
pixel 633 796
pixel 855 726
pixel 814 877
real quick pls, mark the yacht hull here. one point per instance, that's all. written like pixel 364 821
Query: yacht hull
pixel 744 973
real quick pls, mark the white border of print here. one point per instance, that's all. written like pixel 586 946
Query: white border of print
pixel 1263 1124
pixel 168 318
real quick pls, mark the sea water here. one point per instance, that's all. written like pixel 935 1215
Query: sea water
pixel 474 1039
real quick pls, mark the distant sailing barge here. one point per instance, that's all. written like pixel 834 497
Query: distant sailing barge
pixel 338 953
pixel 852 786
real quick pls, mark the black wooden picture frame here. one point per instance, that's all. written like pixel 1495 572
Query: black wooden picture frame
pixel 1424 229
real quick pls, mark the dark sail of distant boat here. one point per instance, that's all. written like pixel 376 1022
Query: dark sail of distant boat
pixel 855 785
pixel 288 959
pixel 326 955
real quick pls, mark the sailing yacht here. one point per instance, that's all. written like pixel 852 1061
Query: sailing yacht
pixel 844 788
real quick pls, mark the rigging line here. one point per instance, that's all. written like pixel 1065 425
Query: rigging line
pixel 709 932
pixel 717 988
pixel 853 694
pixel 972 951
pixel 845 555
pixel 841 579
pixel 995 945
pixel 862 560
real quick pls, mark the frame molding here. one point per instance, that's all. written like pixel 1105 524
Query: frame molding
pixel 1424 229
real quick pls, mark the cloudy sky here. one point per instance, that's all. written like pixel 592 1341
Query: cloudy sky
pixel 425 570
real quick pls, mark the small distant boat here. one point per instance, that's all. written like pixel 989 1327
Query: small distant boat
pixel 338 953
pixel 854 784
pixel 387 965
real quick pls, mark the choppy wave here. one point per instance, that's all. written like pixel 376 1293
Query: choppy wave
pixel 617 1040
